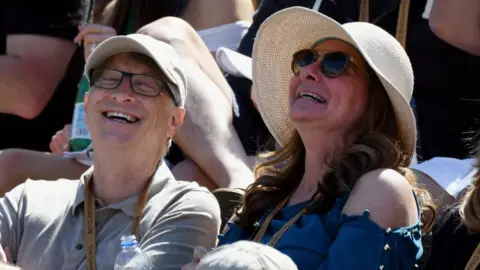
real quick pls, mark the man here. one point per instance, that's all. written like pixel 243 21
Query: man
pixel 40 68
pixel 446 78
pixel 135 106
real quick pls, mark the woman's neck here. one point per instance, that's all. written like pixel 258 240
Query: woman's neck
pixel 316 166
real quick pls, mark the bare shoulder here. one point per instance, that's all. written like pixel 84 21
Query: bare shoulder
pixel 387 195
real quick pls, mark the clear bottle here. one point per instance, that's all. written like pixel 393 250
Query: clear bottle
pixel 131 256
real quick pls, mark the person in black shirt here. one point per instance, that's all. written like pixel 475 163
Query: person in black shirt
pixel 456 236
pixel 446 78
pixel 40 68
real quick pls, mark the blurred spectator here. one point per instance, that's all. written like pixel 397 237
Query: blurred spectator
pixel 446 179
pixel 243 255
pixel 456 236
pixel 40 68
pixel 446 78
pixel 129 190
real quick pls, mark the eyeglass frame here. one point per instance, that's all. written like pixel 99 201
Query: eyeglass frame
pixel 167 84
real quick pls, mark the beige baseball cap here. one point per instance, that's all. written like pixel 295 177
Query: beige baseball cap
pixel 162 53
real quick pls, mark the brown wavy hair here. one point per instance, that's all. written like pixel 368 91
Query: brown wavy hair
pixel 376 146
pixel 469 208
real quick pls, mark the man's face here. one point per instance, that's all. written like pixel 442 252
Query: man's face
pixel 122 118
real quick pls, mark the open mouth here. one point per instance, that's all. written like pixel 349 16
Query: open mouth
pixel 313 97
pixel 121 117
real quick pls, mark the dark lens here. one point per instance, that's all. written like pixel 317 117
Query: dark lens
pixel 106 78
pixel 302 59
pixel 334 64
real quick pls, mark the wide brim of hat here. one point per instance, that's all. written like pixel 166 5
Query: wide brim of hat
pixel 163 55
pixel 289 31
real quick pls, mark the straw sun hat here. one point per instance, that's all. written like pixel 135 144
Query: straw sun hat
pixel 293 29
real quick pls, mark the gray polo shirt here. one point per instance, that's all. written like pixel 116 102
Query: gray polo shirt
pixel 43 223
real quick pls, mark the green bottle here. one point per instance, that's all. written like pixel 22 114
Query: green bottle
pixel 80 138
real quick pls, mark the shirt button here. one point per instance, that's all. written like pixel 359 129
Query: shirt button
pixel 79 247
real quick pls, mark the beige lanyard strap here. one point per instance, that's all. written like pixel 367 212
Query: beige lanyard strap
pixel 279 234
pixel 474 260
pixel 89 221
pixel 402 22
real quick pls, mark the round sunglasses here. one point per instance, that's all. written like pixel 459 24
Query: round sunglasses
pixel 332 64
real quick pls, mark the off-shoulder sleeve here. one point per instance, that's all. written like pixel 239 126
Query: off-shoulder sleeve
pixel 362 244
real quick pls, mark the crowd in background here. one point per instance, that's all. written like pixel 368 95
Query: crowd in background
pixel 413 128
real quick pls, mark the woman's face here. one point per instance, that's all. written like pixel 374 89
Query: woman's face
pixel 338 101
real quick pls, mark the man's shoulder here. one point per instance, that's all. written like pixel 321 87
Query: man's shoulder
pixel 43 200
pixel 181 204
pixel 177 189
pixel 52 189
pixel 179 194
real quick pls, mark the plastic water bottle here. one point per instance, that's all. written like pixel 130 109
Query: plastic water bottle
pixel 80 138
pixel 131 256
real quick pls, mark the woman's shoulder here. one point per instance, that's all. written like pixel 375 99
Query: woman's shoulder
pixel 387 195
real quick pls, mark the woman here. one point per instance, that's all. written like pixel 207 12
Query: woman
pixel 337 194
pixel 456 236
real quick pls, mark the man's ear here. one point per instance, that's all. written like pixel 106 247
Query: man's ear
pixel 176 121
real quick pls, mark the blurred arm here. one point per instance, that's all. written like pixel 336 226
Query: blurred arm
pixel 458 23
pixel 30 72
pixel 204 14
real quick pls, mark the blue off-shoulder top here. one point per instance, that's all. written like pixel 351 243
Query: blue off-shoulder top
pixel 332 240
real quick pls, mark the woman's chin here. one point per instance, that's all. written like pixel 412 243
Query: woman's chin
pixel 303 115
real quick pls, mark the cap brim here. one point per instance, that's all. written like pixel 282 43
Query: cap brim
pixel 278 38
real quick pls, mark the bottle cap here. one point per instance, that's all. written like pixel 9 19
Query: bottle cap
pixel 128 241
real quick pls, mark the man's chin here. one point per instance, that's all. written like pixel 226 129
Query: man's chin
pixel 116 140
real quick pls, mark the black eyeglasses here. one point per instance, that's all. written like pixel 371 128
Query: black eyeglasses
pixel 332 65
pixel 141 84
